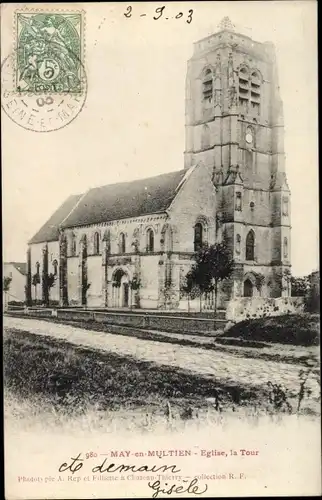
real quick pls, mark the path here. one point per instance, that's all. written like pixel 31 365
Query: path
pixel 225 367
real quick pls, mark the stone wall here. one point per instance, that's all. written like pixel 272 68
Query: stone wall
pixel 167 322
pixel 258 307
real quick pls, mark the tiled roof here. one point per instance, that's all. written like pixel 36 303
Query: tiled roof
pixel 20 266
pixel 126 199
pixel 50 230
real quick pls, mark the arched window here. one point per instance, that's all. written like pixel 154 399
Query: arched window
pixel 244 76
pixel 250 244
pixel 249 91
pixel 243 88
pixel 122 246
pixel 96 243
pixel 207 86
pixel 248 288
pixel 255 91
pixel 285 248
pixel 37 268
pixel 198 236
pixel 55 267
pixel 150 240
pixel 238 241
pixel 256 79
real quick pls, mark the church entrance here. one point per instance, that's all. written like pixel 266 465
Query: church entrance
pixel 120 289
pixel 248 288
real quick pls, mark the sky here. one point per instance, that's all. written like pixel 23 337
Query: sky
pixel 132 124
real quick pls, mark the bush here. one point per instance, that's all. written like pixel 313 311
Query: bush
pixel 54 303
pixel 294 329
pixel 16 303
pixel 37 302
pixel 312 301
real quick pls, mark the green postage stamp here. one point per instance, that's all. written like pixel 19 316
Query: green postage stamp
pixel 49 51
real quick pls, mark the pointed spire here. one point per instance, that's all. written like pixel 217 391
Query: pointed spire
pixel 226 24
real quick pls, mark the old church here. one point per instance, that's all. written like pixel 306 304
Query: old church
pixel 130 244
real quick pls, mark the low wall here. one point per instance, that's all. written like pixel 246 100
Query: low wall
pixel 167 323
pixel 259 307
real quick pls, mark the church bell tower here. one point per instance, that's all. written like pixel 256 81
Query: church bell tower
pixel 235 129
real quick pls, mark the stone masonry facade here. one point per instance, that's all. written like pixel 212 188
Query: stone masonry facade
pixel 233 188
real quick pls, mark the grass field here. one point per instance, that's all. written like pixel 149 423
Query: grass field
pixel 71 376
pixel 47 376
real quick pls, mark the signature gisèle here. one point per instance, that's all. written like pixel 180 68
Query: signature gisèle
pixel 187 486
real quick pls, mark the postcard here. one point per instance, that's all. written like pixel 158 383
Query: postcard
pixel 161 285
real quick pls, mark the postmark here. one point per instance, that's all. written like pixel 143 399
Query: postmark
pixel 43 81
pixel 49 51
pixel 39 111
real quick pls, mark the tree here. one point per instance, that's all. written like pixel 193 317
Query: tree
pixel 51 279
pixel 85 288
pixel 135 284
pixel 213 264
pixel 287 276
pixel 201 276
pixel 6 282
pixel 168 290
pixel 312 298
pixel 188 287
pixel 284 279
pixel 299 286
pixel 35 281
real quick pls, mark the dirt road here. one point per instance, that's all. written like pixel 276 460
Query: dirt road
pixel 224 367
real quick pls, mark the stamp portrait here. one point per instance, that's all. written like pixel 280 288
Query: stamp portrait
pixel 43 78
pixel 49 51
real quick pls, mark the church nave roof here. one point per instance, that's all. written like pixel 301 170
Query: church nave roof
pixel 113 202
pixel 126 199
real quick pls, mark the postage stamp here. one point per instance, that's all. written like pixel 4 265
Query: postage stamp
pixel 49 51
pixel 43 79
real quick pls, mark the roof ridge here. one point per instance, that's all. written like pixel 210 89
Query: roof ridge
pixel 123 200
pixel 21 267
pixel 49 231
pixel 140 179
pixel 76 204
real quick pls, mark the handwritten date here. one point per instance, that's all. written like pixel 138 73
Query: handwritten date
pixel 160 12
